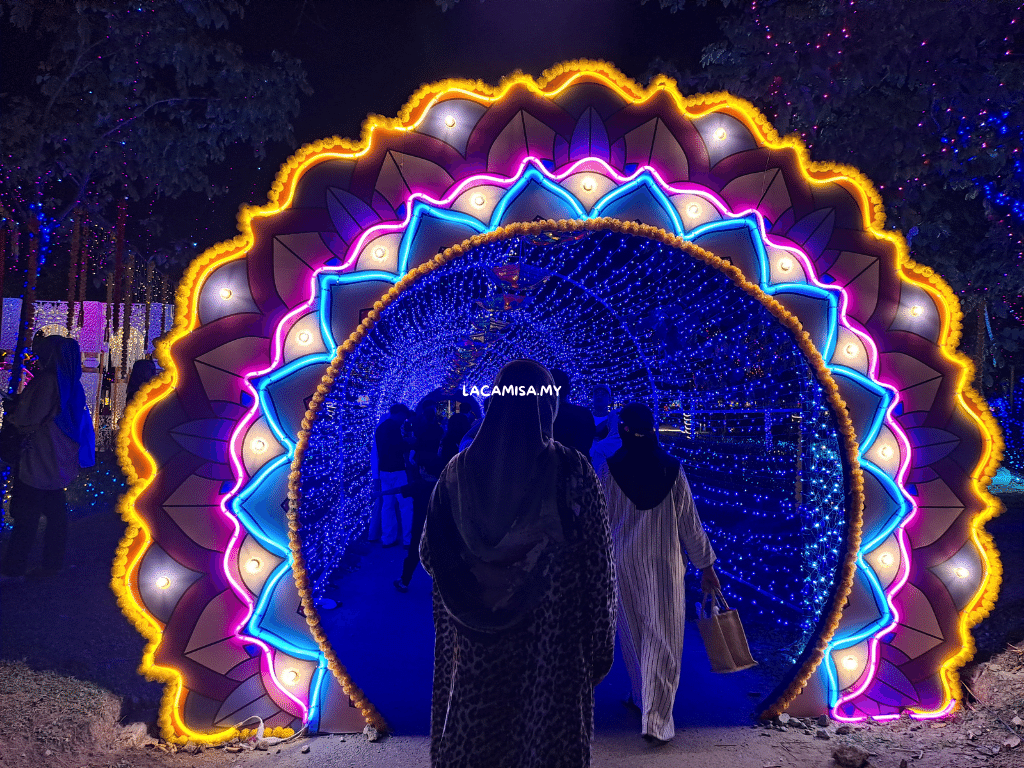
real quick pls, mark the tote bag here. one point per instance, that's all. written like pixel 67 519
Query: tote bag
pixel 723 635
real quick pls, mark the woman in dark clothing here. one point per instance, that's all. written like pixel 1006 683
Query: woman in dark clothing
pixel 518 544
pixel 58 441
pixel 458 426
pixel 422 469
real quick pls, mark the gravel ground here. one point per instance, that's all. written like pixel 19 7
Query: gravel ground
pixel 70 695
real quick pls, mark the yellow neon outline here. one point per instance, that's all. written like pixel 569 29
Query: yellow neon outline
pixel 140 467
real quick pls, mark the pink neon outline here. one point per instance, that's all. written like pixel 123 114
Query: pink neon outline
pixel 946 710
pixel 241 477
pixel 723 209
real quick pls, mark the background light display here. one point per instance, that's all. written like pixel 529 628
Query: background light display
pixel 740 405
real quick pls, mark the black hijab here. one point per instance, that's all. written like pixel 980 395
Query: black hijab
pixel 641 467
pixel 500 523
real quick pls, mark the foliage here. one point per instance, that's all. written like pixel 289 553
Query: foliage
pixel 670 5
pixel 924 96
pixel 115 99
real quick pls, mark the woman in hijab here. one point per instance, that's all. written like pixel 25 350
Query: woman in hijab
pixel 518 545
pixel 653 523
pixel 59 440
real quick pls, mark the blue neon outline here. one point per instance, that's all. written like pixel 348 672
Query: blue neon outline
pixel 325 281
pixel 245 493
pixel 643 180
pixel 254 627
pixel 421 209
pixel 905 507
pixel 533 174
pixel 266 405
pixel 886 397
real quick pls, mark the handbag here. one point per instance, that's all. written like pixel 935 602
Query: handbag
pixel 723 635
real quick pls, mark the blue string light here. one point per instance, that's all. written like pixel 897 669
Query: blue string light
pixel 739 403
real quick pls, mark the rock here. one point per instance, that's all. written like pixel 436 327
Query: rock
pixel 783 719
pixel 1017 721
pixel 233 749
pixel 371 733
pixel 305 750
pixel 844 730
pixel 135 734
pixel 850 757
pixel 822 734
pixel 47 753
pixel 903 763
pixel 342 739
pixel 823 721
pixel 1011 742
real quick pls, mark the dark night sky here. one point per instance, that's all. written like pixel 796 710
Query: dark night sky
pixel 369 56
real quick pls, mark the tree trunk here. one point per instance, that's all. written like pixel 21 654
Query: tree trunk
pixel 978 355
pixel 28 305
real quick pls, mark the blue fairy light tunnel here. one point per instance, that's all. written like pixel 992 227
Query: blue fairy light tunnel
pixel 739 404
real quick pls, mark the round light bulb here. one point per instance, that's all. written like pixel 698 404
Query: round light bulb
pixel 850 663
pixel 291 677
pixel 259 445
pixel 253 565
pixel 916 310
pixel 450 121
pixel 886 452
pixel 961 572
pixel 163 582
pixel 588 184
pixel 785 264
pixel 886 559
pixel 850 349
pixel 304 337
pixel 720 134
pixel 380 253
pixel 692 210
pixel 479 200
pixel 225 293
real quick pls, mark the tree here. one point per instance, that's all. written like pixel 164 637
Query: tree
pixel 926 97
pixel 114 100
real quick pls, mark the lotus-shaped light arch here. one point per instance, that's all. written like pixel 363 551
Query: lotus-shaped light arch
pixel 210 446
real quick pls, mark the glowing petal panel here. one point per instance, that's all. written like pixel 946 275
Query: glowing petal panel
pixel 211 569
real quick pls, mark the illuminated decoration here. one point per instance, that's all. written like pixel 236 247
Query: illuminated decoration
pixel 89 328
pixel 561 298
pixel 351 226
pixel 1009 411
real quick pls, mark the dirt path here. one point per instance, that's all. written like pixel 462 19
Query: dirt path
pixel 70 695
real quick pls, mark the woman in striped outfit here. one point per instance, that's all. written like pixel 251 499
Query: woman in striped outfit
pixel 653 522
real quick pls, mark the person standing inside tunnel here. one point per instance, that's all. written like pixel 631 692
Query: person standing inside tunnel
pixel 518 545
pixel 654 523
pixel 392 448
pixel 422 469
pixel 574 426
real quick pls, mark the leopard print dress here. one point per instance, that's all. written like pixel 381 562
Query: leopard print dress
pixel 525 698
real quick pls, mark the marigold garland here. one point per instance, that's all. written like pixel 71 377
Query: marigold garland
pixel 855 479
